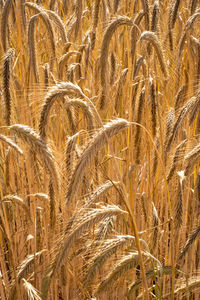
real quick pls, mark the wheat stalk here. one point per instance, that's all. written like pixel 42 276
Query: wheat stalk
pixel 19 201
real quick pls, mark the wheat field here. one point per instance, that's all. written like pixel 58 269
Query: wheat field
pixel 99 149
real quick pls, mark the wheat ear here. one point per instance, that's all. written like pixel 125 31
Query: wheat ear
pixel 91 217
pixel 29 136
pixel 191 158
pixel 197 77
pixel 188 27
pixel 192 283
pixel 153 39
pixel 180 118
pixel 44 16
pixel 103 252
pixel 169 127
pixel 63 61
pixel 126 263
pixel 99 192
pixel 78 12
pixel 11 143
pixel 179 151
pixel 173 13
pixel 112 68
pixel 104 52
pixel 145 4
pixel 193 6
pixel 191 239
pixel 180 97
pixel 4 23
pixel 179 206
pixel 46 75
pixel 135 32
pixel 138 129
pixel 155 156
pixel 31 44
pixel 91 199
pixel 38 226
pixel 99 139
pixel 58 91
pixel 197 190
pixel 32 292
pixel 155 14
pixel 23 270
pixel 95 19
pixel 153 107
pixel 149 274
pixel 88 113
pixel 120 87
pixel 52 4
pixel 69 152
pixel 23 13
pixel 6 84
pixel 58 21
pixel 20 202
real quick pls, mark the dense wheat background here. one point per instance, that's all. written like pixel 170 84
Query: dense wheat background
pixel 99 149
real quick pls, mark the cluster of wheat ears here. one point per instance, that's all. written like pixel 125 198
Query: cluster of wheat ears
pixel 99 149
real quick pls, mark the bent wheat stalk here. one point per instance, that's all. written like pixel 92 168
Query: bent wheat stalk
pixel 31 44
pixel 58 91
pixel 153 39
pixel 104 52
